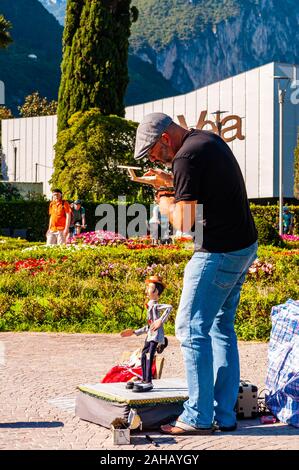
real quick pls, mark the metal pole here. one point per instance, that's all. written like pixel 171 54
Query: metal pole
pixel 15 164
pixel 36 171
pixel 218 120
pixel 281 122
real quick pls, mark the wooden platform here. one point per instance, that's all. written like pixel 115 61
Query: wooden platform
pixel 102 403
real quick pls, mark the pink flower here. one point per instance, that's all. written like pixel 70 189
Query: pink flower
pixel 290 238
pixel 100 237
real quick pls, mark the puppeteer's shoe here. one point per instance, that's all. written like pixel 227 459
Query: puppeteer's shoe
pixel 140 387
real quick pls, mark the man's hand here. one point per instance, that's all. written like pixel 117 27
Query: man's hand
pixel 155 178
pixel 149 180
pixel 126 333
pixel 156 325
pixel 159 178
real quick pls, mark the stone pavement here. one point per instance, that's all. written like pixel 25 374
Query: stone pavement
pixel 39 373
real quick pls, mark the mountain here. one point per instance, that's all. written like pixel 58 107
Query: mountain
pixel 197 42
pixel 146 83
pixel 56 7
pixel 176 45
pixel 205 41
pixel 32 61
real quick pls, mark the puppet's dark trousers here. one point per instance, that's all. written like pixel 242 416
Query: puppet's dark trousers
pixel 147 358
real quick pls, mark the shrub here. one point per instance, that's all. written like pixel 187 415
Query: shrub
pixel 271 214
pixel 33 215
pixel 267 234
pixel 8 192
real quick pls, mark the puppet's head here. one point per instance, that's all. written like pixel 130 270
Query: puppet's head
pixel 154 287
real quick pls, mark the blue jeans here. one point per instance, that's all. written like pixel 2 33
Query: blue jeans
pixel 205 329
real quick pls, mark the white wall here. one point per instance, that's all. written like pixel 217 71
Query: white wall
pixel 2 93
pixel 252 96
pixel 37 136
pixel 291 124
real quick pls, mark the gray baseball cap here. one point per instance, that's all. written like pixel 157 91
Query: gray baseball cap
pixel 149 132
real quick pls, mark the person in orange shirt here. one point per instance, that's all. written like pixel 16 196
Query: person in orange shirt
pixel 60 218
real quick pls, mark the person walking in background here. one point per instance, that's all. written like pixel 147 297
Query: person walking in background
pixel 154 224
pixel 287 218
pixel 159 225
pixel 60 218
pixel 78 218
pixel 205 172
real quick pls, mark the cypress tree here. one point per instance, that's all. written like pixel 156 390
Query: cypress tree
pixel 95 54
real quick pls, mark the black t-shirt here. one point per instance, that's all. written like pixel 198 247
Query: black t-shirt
pixel 205 170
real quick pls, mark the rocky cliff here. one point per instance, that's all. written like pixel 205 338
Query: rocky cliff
pixel 197 42
pixel 56 7
pixel 257 33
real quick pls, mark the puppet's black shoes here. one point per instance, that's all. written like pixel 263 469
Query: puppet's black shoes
pixel 142 387
pixel 131 383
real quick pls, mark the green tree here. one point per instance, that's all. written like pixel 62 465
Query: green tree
pixel 36 105
pixel 5 38
pixel 87 155
pixel 5 113
pixel 95 54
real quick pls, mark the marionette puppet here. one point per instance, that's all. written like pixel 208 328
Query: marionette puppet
pixel 155 341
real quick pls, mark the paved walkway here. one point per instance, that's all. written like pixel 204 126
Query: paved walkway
pixel 39 373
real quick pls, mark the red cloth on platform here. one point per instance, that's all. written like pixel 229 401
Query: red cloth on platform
pixel 124 373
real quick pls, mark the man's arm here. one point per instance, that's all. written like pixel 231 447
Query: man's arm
pixel 50 219
pixel 181 209
pixel 181 214
pixel 83 219
pixel 67 223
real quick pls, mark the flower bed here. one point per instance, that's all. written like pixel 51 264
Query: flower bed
pixel 104 238
pixel 100 237
pixel 100 288
pixel 290 238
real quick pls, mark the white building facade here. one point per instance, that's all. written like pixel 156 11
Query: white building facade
pixel 249 122
pixel 2 93
pixel 27 150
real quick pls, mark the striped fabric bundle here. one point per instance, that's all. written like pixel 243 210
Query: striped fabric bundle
pixel 283 366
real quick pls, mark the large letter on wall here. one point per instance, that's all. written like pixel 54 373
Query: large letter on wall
pixel 237 125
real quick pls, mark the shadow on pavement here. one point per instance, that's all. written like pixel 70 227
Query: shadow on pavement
pixel 253 428
pixel 33 424
pixel 155 441
pixel 258 429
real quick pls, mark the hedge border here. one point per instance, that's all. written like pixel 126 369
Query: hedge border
pixel 33 216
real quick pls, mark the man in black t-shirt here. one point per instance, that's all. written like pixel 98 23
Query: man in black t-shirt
pixel 205 172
